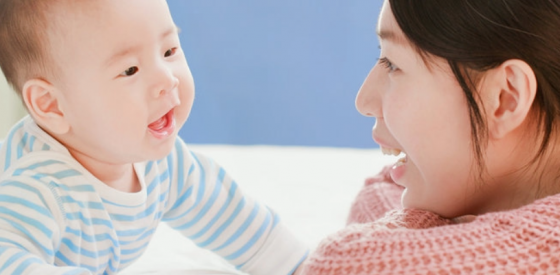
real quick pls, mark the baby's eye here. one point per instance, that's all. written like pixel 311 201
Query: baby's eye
pixel 130 71
pixel 170 52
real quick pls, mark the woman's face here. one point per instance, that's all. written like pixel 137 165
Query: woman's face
pixel 421 111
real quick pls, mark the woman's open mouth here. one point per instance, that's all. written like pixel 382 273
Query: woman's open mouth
pixel 398 169
pixel 395 152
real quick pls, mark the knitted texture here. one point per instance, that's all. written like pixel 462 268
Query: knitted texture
pixel 379 195
pixel 409 241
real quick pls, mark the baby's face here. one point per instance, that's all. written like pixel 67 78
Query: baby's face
pixel 125 83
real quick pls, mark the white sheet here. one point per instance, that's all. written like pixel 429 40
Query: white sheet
pixel 311 188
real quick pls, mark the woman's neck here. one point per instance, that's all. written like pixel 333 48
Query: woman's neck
pixel 519 175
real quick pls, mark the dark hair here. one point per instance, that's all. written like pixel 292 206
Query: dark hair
pixel 477 35
pixel 23 40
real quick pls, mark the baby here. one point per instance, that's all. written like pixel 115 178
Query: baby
pixel 88 176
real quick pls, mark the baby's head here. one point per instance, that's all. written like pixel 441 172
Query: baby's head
pixel 24 40
pixel 470 91
pixel 107 79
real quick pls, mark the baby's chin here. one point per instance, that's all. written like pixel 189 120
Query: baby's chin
pixel 160 151
pixel 161 154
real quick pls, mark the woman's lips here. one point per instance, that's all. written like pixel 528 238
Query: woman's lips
pixel 398 169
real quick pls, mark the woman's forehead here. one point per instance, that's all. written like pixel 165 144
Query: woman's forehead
pixel 387 27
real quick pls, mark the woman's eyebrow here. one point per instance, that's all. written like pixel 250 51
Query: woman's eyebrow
pixel 390 36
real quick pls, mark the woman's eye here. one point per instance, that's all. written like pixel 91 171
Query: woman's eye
pixel 130 71
pixel 170 52
pixel 388 64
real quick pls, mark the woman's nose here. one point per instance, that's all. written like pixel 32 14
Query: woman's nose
pixel 368 100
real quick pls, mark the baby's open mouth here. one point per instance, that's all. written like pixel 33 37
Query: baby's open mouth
pixel 161 123
pixel 164 126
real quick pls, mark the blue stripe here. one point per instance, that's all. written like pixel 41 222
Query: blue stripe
pixel 170 167
pixel 201 182
pixel 12 259
pixel 199 195
pixel 140 238
pixel 276 218
pixel 26 187
pixel 31 143
pixel 158 215
pixel 46 147
pixel 131 232
pixel 85 252
pixel 12 242
pixel 180 165
pixel 35 166
pixel 251 241
pixel 223 227
pixel 8 144
pixel 128 218
pixel 148 167
pixel 28 204
pixel 25 264
pixel 298 263
pixel 134 250
pixel 218 215
pixel 86 205
pixel 122 205
pixel 191 170
pixel 157 180
pixel 25 219
pixel 126 261
pixel 206 207
pixel 241 229
pixel 163 196
pixel 78 188
pixel 84 188
pixel 24 230
pixel 88 221
pixel 60 256
pixel 91 238
pixel 180 201
pixel 66 174
pixel 21 145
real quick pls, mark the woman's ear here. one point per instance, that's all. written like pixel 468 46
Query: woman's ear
pixel 508 91
pixel 43 103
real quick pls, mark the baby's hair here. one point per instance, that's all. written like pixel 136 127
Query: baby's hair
pixel 477 35
pixel 23 40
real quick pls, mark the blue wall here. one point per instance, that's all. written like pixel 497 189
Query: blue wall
pixel 278 72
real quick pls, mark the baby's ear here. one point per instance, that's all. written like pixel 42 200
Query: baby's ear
pixel 508 94
pixel 42 100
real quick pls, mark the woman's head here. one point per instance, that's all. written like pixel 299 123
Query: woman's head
pixel 456 89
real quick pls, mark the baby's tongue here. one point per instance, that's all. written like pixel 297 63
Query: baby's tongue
pixel 159 124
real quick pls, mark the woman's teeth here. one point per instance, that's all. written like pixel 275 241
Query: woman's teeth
pixel 390 151
pixel 395 152
pixel 400 162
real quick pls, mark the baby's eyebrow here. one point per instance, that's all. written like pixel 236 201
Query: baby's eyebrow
pixel 170 31
pixel 127 51
pixel 120 54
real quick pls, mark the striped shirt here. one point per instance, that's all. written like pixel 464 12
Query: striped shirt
pixel 57 218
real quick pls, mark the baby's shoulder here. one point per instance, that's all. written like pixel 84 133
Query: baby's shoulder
pixel 44 172
pixel 26 139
